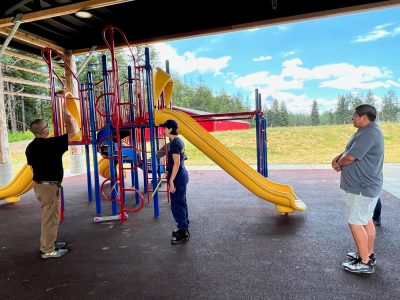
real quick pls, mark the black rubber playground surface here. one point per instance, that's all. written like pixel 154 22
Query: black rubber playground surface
pixel 240 247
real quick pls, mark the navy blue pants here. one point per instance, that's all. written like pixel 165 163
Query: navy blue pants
pixel 178 200
pixel 377 211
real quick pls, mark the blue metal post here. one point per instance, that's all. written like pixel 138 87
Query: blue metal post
pixel 265 150
pixel 258 127
pixel 149 86
pixel 88 174
pixel 92 110
pixel 144 159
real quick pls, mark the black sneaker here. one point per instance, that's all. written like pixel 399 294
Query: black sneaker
pixel 181 236
pixel 355 257
pixel 359 267
pixel 59 245
pixel 175 232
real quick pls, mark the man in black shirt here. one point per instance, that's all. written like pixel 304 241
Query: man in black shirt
pixel 44 155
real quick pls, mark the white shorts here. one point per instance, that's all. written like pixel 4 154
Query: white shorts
pixel 359 209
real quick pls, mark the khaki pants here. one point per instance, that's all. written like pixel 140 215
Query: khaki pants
pixel 49 198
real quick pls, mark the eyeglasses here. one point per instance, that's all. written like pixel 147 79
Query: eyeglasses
pixel 47 125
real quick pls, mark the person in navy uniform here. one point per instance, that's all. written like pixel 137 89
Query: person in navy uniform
pixel 44 155
pixel 178 179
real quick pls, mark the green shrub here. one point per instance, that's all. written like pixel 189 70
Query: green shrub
pixel 19 136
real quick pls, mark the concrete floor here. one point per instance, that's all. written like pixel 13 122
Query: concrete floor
pixel 240 247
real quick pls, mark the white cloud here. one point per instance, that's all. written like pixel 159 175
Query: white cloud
pixel 288 53
pixel 293 76
pixel 384 26
pixel 283 27
pixel 262 58
pixel 189 62
pixel 379 32
pixel 296 103
pixel 396 31
pixel 253 29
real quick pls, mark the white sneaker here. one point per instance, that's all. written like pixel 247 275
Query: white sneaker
pixel 55 253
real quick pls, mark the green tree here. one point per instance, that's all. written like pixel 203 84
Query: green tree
pixel 21 111
pixel 342 110
pixel 273 114
pixel 327 118
pixel 389 107
pixel 299 119
pixel 370 98
pixel 356 101
pixel 315 114
pixel 283 115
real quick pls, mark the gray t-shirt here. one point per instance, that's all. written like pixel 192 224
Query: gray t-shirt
pixel 364 176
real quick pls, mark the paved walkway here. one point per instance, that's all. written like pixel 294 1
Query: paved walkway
pixel 240 247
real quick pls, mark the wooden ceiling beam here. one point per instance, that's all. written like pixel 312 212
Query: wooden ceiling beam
pixel 27 95
pixel 31 40
pixel 61 11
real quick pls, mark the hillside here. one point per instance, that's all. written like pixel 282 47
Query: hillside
pixel 297 145
pixel 286 145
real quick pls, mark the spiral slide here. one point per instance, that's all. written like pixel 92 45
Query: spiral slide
pixel 281 195
pixel 22 182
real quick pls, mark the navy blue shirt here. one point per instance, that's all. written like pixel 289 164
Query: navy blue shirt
pixel 176 146
pixel 45 157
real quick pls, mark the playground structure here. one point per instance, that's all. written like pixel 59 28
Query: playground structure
pixel 120 121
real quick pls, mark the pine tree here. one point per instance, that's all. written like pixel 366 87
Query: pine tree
pixel 315 114
pixel 389 107
pixel 370 98
pixel 273 114
pixel 356 101
pixel 342 111
pixel 283 115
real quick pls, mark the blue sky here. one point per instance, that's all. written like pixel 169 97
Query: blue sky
pixel 297 62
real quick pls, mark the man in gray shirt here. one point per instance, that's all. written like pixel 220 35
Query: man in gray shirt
pixel 361 178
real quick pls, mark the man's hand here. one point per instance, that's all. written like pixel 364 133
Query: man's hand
pixel 69 125
pixel 335 164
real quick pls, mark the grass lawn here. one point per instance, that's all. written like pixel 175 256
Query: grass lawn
pixel 286 145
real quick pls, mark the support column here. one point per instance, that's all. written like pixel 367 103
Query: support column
pixel 77 153
pixel 5 165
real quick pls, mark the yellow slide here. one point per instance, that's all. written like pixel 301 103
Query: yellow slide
pixel 22 182
pixel 279 194
pixel 104 167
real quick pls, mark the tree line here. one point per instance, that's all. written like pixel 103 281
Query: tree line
pixel 388 110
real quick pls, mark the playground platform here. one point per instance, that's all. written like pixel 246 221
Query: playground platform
pixel 240 247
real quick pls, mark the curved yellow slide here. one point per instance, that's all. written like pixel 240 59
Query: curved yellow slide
pixel 281 195
pixel 104 167
pixel 22 182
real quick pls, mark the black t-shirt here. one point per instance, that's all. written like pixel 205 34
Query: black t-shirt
pixel 45 157
pixel 176 146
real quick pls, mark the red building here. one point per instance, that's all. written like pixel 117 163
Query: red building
pixel 214 124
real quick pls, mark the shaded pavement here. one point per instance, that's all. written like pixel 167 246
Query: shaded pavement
pixel 240 247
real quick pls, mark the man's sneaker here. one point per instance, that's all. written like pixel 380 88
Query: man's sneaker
pixel 359 267
pixel 181 236
pixel 175 232
pixel 60 245
pixel 55 253
pixel 355 257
